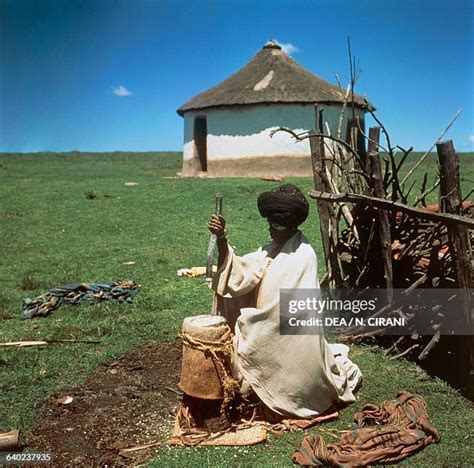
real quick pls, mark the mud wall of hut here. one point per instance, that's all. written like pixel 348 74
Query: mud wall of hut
pixel 239 144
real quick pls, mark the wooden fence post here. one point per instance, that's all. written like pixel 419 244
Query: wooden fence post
pixel 355 138
pixel 451 202
pixel 374 137
pixel 316 144
pixel 375 171
pixel 327 227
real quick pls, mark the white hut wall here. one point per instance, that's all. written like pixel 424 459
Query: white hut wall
pixel 239 142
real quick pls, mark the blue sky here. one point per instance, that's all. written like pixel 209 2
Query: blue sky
pixel 109 75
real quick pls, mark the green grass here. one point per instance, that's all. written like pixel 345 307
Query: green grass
pixel 69 217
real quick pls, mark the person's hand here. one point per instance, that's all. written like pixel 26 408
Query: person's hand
pixel 217 225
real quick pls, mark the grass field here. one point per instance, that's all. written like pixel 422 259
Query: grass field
pixel 69 217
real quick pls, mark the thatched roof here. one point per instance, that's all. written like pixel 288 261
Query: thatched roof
pixel 270 77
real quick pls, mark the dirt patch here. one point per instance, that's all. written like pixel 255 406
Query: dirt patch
pixel 130 401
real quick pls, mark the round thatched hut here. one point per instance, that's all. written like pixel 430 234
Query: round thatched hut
pixel 227 127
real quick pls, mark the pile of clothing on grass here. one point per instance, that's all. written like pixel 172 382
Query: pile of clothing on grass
pixel 78 293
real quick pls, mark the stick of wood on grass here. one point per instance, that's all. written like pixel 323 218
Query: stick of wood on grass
pixel 24 344
pixel 9 440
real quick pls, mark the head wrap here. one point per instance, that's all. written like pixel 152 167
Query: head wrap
pixel 285 205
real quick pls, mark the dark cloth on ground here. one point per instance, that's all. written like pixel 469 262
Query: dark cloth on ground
pixel 285 205
pixel 77 293
pixel 402 429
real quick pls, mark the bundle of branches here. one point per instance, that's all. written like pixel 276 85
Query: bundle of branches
pixel 373 237
pixel 413 244
pixel 377 233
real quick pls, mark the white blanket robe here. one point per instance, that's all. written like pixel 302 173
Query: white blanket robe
pixel 299 375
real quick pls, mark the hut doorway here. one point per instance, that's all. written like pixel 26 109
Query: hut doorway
pixel 200 140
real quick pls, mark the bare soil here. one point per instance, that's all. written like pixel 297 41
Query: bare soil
pixel 129 401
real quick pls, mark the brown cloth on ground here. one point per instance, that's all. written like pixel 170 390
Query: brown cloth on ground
pixel 405 431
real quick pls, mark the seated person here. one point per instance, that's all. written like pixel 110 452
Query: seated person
pixel 294 375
